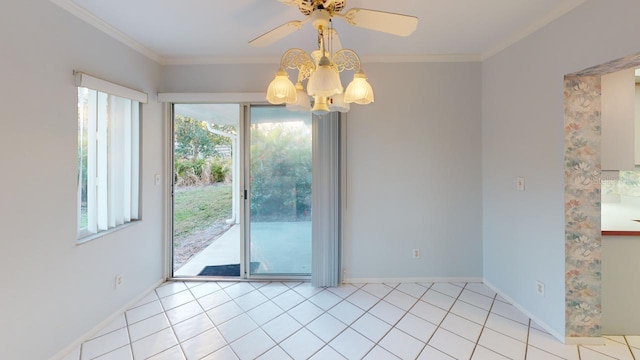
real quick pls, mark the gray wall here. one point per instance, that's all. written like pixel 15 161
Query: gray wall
pixel 55 291
pixel 414 165
pixel 523 135
pixel 414 174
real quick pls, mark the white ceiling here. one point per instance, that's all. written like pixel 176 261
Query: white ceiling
pixel 210 31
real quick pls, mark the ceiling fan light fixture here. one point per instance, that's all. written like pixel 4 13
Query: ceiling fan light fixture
pixel 281 90
pixel 337 103
pixel 303 103
pixel 320 106
pixel 323 66
pixel 359 91
pixel 325 80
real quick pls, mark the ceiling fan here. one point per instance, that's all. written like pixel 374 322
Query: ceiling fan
pixel 320 13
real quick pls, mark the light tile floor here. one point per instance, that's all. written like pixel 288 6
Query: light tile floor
pixel 292 320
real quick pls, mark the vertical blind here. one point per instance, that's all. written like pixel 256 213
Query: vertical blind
pixel 326 202
pixel 109 156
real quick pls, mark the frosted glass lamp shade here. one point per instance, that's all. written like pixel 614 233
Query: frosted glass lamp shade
pixel 302 103
pixel 320 105
pixel 325 81
pixel 359 90
pixel 336 103
pixel 281 90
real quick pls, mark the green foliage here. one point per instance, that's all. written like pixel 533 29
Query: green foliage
pixel 219 171
pixel 201 171
pixel 280 173
pixel 196 160
pixel 194 141
pixel 198 208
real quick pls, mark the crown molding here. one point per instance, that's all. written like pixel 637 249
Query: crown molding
pixel 365 59
pixel 101 25
pixel 213 60
pixel 421 58
pixel 533 27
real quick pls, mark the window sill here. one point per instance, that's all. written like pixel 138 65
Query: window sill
pixel 87 238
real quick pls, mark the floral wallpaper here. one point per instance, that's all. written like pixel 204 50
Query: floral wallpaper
pixel 582 206
pixel 583 240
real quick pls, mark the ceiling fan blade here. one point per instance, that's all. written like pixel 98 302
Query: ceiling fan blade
pixel 396 24
pixel 332 40
pixel 277 33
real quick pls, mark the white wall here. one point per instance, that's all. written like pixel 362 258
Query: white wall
pixel 414 172
pixel 522 135
pixel 54 290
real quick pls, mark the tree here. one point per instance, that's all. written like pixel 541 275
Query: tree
pixel 192 138
pixel 195 141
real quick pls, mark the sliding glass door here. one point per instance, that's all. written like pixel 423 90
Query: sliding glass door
pixel 279 186
pixel 241 191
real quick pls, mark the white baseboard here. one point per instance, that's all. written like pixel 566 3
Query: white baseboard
pixel 541 323
pixel 89 334
pixel 410 280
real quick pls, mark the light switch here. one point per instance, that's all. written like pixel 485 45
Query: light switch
pixel 520 183
pixel 157 179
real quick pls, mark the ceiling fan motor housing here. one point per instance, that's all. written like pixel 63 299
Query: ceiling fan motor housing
pixel 320 19
pixel 307 7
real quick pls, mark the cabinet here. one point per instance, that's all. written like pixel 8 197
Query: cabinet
pixel 618 120
pixel 620 285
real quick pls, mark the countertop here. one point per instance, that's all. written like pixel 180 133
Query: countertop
pixel 618 216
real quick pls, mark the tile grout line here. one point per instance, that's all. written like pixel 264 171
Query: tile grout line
pixel 129 332
pixel 164 312
pixel 358 318
pixel 441 321
pixel 277 344
pixel 405 314
pixel 245 313
pixel 633 356
pixel 305 326
pixel 607 355
pixel 475 346
pixel 207 315
pixel 526 345
pixel 377 343
pixel 297 321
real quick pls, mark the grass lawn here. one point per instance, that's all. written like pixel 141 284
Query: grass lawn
pixel 197 208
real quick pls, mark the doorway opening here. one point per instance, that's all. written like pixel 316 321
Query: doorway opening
pixel 206 173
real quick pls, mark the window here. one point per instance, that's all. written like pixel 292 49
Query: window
pixel 108 160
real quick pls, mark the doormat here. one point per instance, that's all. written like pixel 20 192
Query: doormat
pixel 226 270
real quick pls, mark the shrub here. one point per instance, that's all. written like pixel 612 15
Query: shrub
pixel 280 174
pixel 201 171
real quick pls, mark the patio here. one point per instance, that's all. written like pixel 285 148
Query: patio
pixel 280 248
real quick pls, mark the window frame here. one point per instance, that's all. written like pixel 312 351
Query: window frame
pixel 127 104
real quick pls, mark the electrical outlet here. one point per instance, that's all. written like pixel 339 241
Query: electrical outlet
pixel 119 280
pixel 540 288
pixel 416 253
pixel 520 183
